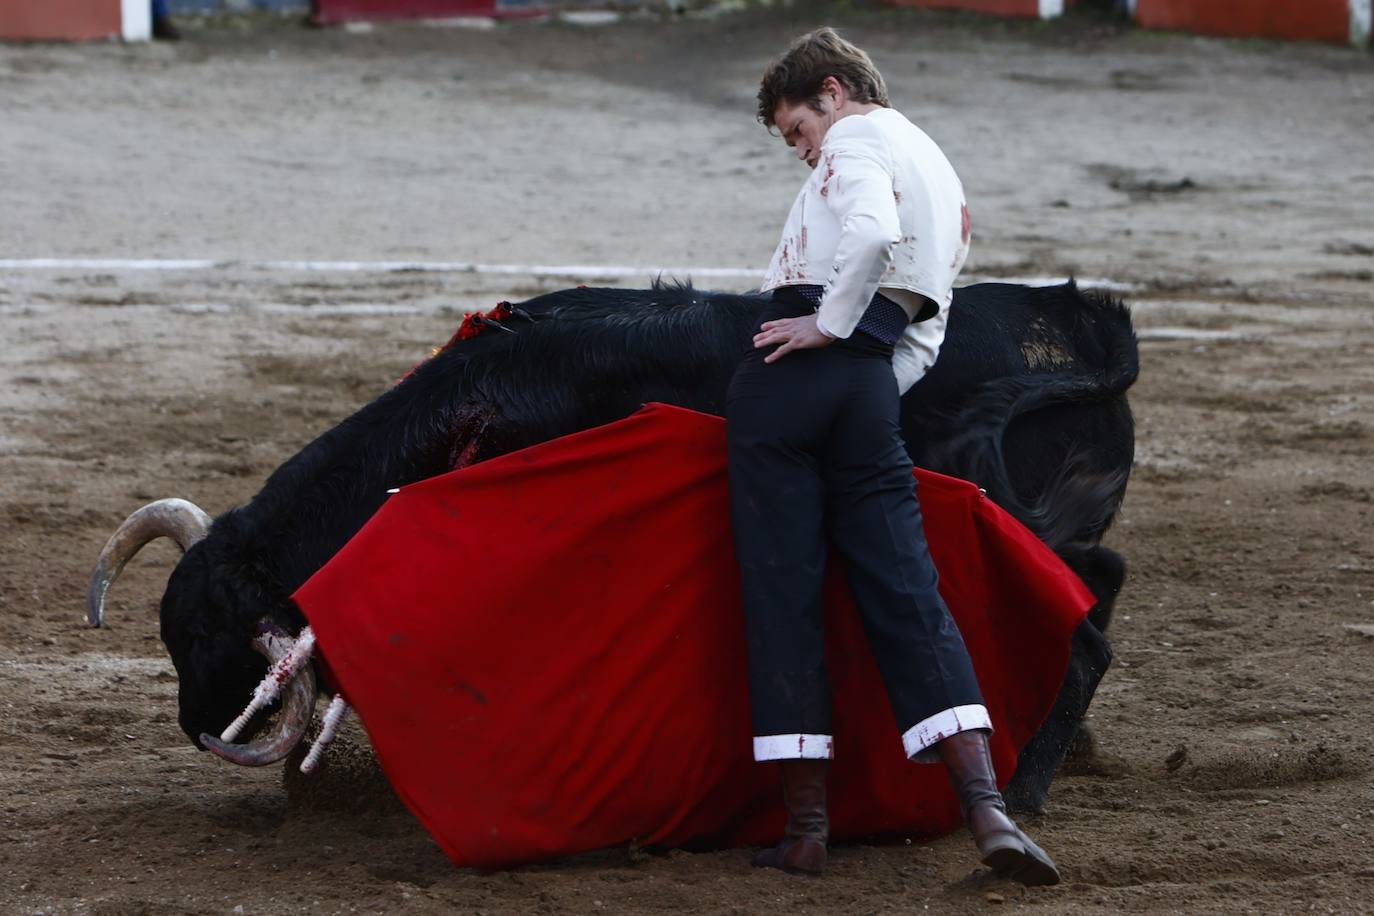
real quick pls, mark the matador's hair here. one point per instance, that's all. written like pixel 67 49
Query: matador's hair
pixel 797 75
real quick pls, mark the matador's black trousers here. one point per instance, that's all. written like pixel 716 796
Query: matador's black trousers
pixel 815 449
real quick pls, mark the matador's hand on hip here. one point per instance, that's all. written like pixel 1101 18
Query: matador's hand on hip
pixel 792 334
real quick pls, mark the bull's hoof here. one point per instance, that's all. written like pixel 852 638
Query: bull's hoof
pixel 1025 802
pixel 1084 745
pixel 1023 798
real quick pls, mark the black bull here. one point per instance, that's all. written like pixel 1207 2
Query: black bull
pixel 1027 399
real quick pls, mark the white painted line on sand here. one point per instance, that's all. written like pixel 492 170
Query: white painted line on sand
pixel 463 267
pixel 1112 286
pixel 1177 333
pixel 573 271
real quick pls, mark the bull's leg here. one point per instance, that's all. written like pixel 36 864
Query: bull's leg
pixel 1104 572
pixel 1044 753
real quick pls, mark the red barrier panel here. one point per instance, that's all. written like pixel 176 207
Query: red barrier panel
pixel 60 20
pixel 1318 20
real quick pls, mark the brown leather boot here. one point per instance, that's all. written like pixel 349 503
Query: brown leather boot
pixel 802 850
pixel 1001 844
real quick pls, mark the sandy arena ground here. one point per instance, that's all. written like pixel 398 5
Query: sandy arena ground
pixel 1231 183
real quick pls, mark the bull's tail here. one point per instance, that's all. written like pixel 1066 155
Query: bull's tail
pixel 1074 508
pixel 1079 501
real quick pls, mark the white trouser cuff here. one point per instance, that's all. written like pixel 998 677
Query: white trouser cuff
pixel 920 740
pixel 794 747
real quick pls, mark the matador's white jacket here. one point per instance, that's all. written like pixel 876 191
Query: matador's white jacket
pixel 883 209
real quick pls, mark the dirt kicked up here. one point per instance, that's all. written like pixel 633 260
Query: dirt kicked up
pixel 1227 184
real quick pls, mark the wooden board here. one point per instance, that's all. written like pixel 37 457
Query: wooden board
pixel 61 20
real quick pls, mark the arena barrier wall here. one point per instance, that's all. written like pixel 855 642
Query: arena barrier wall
pixel 325 12
pixel 193 7
pixel 1311 20
pixel 1319 20
pixel 1043 9
pixel 75 20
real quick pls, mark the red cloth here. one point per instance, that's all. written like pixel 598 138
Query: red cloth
pixel 547 650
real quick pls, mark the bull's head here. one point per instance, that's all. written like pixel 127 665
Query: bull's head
pixel 217 644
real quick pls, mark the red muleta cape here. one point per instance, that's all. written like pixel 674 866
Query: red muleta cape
pixel 547 650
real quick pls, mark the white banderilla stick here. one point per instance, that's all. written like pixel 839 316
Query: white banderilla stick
pixel 338 708
pixel 278 676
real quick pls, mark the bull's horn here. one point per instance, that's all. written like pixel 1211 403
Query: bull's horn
pixel 178 519
pixel 298 704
